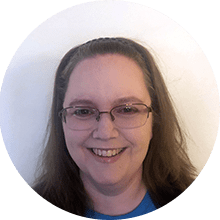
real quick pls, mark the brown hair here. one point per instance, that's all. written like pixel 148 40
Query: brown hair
pixel 167 170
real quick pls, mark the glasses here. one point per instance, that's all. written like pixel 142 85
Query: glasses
pixel 124 116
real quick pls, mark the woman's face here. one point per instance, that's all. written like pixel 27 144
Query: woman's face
pixel 104 82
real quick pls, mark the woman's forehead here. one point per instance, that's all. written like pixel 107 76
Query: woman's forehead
pixel 107 77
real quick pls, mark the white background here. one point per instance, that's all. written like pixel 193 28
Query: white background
pixel 28 84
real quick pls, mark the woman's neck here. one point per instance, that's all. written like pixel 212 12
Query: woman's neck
pixel 116 199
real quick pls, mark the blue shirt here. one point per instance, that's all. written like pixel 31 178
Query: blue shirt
pixel 145 207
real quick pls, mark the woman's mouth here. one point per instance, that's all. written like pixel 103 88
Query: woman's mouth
pixel 107 152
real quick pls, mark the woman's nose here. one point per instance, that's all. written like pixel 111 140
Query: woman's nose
pixel 105 128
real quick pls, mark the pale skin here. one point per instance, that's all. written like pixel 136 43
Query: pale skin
pixel 107 81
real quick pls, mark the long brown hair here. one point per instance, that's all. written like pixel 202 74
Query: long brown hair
pixel 167 170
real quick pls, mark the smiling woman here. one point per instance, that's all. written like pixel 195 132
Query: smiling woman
pixel 117 150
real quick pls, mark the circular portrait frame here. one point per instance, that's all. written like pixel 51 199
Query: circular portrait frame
pixel 185 68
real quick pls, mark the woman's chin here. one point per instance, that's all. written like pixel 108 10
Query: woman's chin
pixel 104 180
pixel 107 179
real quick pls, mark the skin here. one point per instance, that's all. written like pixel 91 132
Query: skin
pixel 115 188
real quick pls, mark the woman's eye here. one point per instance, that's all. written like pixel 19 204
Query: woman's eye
pixel 83 112
pixel 128 110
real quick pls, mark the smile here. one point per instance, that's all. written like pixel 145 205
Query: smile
pixel 107 153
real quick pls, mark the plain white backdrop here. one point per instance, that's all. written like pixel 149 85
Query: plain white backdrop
pixel 26 90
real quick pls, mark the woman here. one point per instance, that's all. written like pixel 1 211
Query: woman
pixel 114 146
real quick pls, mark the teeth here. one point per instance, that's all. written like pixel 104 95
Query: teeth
pixel 95 151
pixel 109 153
pixel 106 153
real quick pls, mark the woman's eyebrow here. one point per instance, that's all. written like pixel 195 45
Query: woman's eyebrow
pixel 80 101
pixel 126 100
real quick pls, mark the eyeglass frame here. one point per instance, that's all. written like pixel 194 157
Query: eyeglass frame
pixel 149 109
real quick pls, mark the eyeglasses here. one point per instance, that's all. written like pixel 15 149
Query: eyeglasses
pixel 124 116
